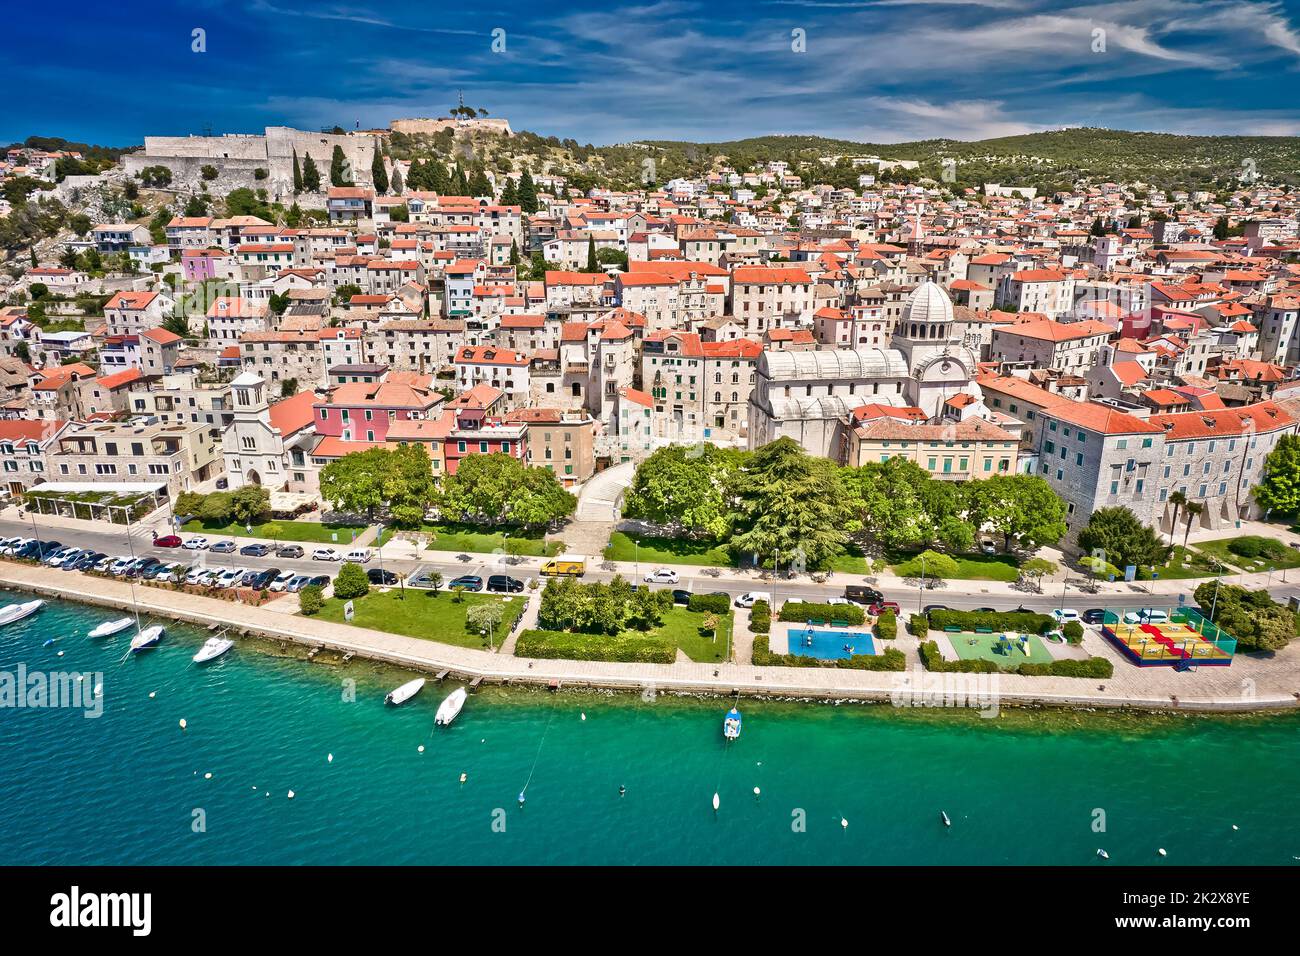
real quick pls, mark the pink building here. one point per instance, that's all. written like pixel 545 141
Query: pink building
pixel 363 411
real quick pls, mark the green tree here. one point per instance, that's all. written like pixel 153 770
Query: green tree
pixel 1035 569
pixel 527 193
pixel 218 508
pixel 1280 489
pixel 208 172
pixel 486 618
pixel 1193 510
pixel 340 174
pixel 351 581
pixel 686 490
pixel 250 504
pixel 1177 499
pixel 297 174
pixel 1252 617
pixel 1120 537
pixel 592 264
pixel 310 175
pixel 498 488
pixel 379 173
pixel 311 600
pixel 1023 508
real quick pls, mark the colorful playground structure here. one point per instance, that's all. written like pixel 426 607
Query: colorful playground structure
pixel 1178 637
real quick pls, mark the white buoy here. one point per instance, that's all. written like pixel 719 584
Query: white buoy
pixel 584 716
pixel 1162 852
pixel 60 654
pixel 290 794
pixel 757 791
pixel 208 775
pixel 464 777
pixel 844 824
pixel 1103 854
pixel 329 758
pixel 716 802
pixel 254 787
pixel 153 694
pixel 420 748
pixel 1234 826
pixel 182 723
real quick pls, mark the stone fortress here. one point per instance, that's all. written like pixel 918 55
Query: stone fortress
pixel 423 125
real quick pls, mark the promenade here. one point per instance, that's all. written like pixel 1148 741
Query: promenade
pixel 1251 683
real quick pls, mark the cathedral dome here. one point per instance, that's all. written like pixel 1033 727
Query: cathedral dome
pixel 928 303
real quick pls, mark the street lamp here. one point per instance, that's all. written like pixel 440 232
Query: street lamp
pixel 920 590
pixel 1218 576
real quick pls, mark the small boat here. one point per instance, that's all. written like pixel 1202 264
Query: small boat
pixel 148 637
pixel 404 693
pixel 450 708
pixel 109 628
pixel 731 724
pixel 943 815
pixel 16 612
pixel 213 648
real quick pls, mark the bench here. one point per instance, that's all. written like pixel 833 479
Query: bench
pixel 816 622
pixel 983 630
pixel 952 629
pixel 839 623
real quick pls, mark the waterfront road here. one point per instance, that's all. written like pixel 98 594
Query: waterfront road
pixel 401 558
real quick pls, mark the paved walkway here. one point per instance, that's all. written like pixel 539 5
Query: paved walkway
pixel 1249 684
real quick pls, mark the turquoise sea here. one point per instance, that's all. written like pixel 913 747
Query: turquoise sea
pixel 1026 788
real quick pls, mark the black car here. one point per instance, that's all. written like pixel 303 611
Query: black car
pixel 469 582
pixel 40 550
pixel 380 576
pixel 682 596
pixel 504 584
pixel 861 594
pixel 261 579
pixel 1094 615
pixel 255 550
pixel 290 551
pixel 142 567
pixel 986 610
pixel 935 607
pixel 87 559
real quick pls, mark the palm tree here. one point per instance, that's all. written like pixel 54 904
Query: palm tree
pixel 1177 499
pixel 1193 510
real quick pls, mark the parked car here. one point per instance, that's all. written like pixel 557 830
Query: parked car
pixel 289 551
pixel 683 596
pixel 223 484
pixel 324 554
pixel 223 547
pixel 168 541
pixel 118 567
pixel 749 598
pixel 103 564
pixel 169 573
pixel 1094 615
pixel 7 545
pixel 837 600
pixel 987 545
pixel 934 607
pixel 382 577
pixel 661 576
pixel 84 561
pixel 255 550
pixel 862 594
pixel 282 580
pixel 307 580
pixel 504 584
pixel 358 555
pixel 1146 615
pixel 470 582
pixel 197 543
pixel 880 607
pixel 228 578
pixel 40 550
pixel 986 610
pixel 63 554
pixel 1064 615
pixel 262 579
pixel 193 575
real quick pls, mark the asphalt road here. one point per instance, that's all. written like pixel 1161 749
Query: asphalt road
pixel 963 595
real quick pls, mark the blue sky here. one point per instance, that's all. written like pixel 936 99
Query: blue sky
pixel 875 70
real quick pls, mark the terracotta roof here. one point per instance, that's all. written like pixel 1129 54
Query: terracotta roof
pixel 293 414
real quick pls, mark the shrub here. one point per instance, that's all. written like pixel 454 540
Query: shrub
pixel 1254 546
pixel 564 645
pixel 1093 667
pixel 710 603
pixel 1024 621
pixel 311 600
pixel 351 582
pixel 1073 632
pixel 800 611
pixel 887 626
pixel 208 171
pixel 760 617
pixel 919 625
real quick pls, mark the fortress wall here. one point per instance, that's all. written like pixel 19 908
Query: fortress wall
pixel 426 125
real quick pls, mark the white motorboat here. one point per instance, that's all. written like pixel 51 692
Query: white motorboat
pixel 16 612
pixel 109 628
pixel 731 724
pixel 404 693
pixel 213 648
pixel 148 637
pixel 450 708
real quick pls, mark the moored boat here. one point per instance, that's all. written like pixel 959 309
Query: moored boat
pixel 731 724
pixel 148 637
pixel 213 648
pixel 404 693
pixel 16 612
pixel 109 628
pixel 450 707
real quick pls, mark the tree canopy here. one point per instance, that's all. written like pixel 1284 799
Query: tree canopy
pixel 1280 489
pixel 1120 538
pixel 500 489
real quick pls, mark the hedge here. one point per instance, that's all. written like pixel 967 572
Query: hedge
pixel 919 625
pixel 1028 622
pixel 801 611
pixel 564 645
pixel 891 660
pixel 760 617
pixel 710 603
pixel 1073 632
pixel 1093 667
pixel 887 626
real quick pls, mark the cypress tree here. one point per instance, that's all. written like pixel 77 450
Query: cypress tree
pixel 338 168
pixel 592 264
pixel 310 175
pixel 397 185
pixel 509 196
pixel 297 174
pixel 379 174
pixel 527 193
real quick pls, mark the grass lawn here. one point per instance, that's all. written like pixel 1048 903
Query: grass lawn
pixel 851 561
pixel 682 627
pixel 461 537
pixel 969 646
pixel 431 615
pixel 970 567
pixel 1184 563
pixel 668 551
pixel 279 531
pixel 1281 557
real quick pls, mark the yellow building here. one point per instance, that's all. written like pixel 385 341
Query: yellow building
pixel 959 451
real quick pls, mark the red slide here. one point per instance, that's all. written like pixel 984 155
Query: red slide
pixel 1160 638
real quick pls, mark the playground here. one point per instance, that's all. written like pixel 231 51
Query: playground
pixel 1004 649
pixel 1182 640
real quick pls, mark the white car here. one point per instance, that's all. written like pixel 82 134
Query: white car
pixel 119 566
pixel 987 546
pixel 749 598
pixel 198 543
pixel 661 576
pixel 195 573
pixel 837 600
pixel 7 545
pixel 57 559
pixel 324 554
pixel 103 564
pixel 229 578
pixel 357 556
pixel 1064 615
pixel 282 580
pixel 169 573
pixel 1146 615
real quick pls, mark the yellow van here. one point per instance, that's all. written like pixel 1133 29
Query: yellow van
pixel 571 564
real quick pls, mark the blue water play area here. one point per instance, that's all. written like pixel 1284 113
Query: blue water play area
pixel 828 645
